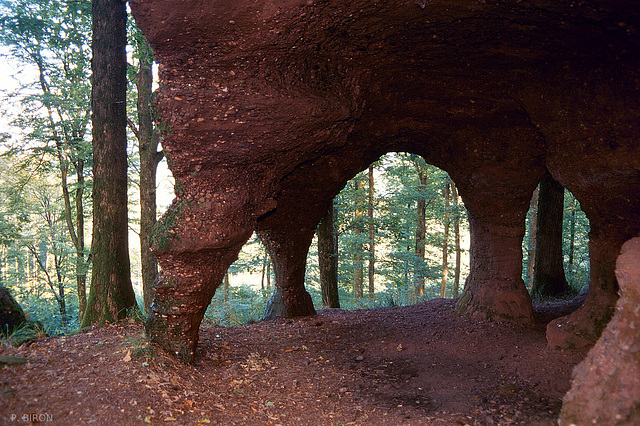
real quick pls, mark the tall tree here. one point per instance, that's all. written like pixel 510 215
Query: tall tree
pixel 111 293
pixel 532 231
pixel 372 234
pixel 445 243
pixel 150 157
pixel 328 260
pixel 358 261
pixel 548 276
pixel 572 239
pixel 456 231
pixel 421 224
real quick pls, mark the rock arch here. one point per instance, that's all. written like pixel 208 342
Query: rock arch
pixel 269 107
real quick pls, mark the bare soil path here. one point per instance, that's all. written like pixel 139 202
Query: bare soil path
pixel 416 365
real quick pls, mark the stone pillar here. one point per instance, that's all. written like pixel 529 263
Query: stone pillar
pixel 494 288
pixel 181 296
pixel 584 326
pixel 289 256
pixel 606 385
pixel 195 241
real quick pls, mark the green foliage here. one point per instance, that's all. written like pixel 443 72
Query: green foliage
pixel 244 306
pixel 28 331
pixel 395 215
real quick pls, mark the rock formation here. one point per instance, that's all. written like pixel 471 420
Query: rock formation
pixel 270 107
pixel 606 385
pixel 11 314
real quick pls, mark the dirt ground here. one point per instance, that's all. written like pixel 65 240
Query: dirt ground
pixel 413 365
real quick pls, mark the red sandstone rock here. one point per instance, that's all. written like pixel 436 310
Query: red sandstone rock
pixel 606 385
pixel 271 107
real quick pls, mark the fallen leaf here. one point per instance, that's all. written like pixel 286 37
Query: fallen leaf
pixel 127 357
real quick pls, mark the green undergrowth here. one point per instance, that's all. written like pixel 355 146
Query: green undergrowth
pixel 246 305
pixel 28 331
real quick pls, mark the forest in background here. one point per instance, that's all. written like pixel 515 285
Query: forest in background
pixel 401 229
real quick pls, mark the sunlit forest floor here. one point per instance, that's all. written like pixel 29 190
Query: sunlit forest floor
pixel 420 364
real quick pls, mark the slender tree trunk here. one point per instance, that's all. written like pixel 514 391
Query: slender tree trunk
pixel 445 244
pixel 358 262
pixel 421 227
pixel 572 241
pixel 82 267
pixel 328 260
pixel 548 276
pixel 225 288
pixel 456 231
pixel 62 301
pixel 150 157
pixel 111 294
pixel 76 232
pixel 264 270
pixel 533 228
pixel 268 274
pixel 372 235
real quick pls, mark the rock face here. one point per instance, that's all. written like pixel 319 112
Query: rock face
pixel 270 107
pixel 606 385
pixel 11 314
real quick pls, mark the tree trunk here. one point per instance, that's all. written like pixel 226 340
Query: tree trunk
pixel 372 235
pixel 358 262
pixel 572 241
pixel 82 267
pixel 548 276
pixel 421 226
pixel 533 228
pixel 328 260
pixel 150 157
pixel 62 300
pixel 264 270
pixel 111 294
pixel 225 288
pixel 268 273
pixel 456 231
pixel 445 243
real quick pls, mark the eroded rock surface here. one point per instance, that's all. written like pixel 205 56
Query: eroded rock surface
pixel 606 385
pixel 270 107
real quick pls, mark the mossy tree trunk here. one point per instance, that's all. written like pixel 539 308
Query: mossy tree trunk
pixel 111 294
pixel 150 157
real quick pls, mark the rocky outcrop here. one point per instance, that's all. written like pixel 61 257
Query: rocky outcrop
pixel 11 314
pixel 606 385
pixel 269 108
